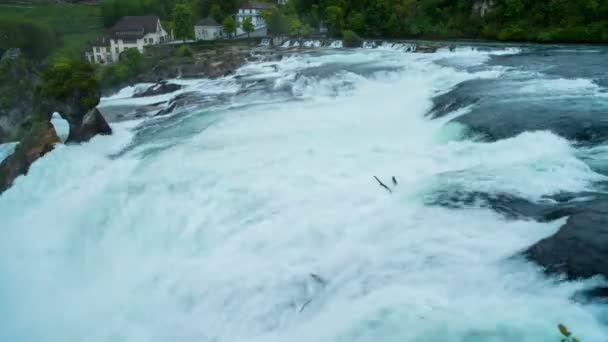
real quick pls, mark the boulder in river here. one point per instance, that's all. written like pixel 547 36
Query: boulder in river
pixel 159 89
pixel 93 123
pixel 40 140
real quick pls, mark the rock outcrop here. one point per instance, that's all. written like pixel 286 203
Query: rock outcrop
pixel 18 81
pixel 93 123
pixel 40 140
pixel 73 92
pixel 69 89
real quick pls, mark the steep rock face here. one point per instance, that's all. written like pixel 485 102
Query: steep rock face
pixel 18 80
pixel 40 140
pixel 93 123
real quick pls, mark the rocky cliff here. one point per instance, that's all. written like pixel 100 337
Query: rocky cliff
pixel 28 101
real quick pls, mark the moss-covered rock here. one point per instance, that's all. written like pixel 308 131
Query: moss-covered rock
pixel 40 140
pixel 71 89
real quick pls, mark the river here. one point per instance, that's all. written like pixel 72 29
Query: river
pixel 252 214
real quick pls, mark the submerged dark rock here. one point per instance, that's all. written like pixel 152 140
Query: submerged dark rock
pixel 585 126
pixel 40 140
pixel 159 89
pixel 580 248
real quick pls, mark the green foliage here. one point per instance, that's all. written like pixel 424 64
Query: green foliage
pixel 184 51
pixel 218 9
pixel 544 21
pixel 132 62
pixel 276 21
pixel 35 40
pixel 69 78
pixel 248 25
pixel 133 59
pixel 113 10
pixel 229 26
pixel 334 15
pixel 183 21
pixel 351 39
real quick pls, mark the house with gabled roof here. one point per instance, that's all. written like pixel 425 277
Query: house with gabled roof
pixel 208 29
pixel 132 32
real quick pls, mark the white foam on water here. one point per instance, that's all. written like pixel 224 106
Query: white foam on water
pixel 127 92
pixel 6 150
pixel 216 238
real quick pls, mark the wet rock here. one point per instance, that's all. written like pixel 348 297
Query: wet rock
pixel 18 81
pixel 93 123
pixel 427 48
pixel 501 122
pixel 580 248
pixel 159 89
pixel 40 140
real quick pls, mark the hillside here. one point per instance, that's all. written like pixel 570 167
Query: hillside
pixel 77 23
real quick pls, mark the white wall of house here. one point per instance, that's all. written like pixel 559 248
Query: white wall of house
pixel 111 54
pixel 208 32
pixel 254 14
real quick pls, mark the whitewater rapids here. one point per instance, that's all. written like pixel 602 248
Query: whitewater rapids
pixel 257 218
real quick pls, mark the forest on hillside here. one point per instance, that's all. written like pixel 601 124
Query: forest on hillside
pixel 529 20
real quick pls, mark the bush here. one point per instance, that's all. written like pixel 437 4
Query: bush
pixel 184 51
pixel 351 39
pixel 513 32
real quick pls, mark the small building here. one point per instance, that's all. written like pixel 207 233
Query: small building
pixel 208 29
pixel 134 32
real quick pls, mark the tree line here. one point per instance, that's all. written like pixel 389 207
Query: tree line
pixel 530 20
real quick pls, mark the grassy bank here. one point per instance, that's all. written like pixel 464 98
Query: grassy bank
pixel 76 23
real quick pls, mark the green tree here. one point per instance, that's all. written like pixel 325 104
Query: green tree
pixel 334 16
pixel 68 78
pixel 133 59
pixel 216 12
pixel 182 21
pixel 248 26
pixel 276 21
pixel 229 26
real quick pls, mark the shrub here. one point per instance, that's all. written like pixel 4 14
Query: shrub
pixel 183 51
pixel 351 39
pixel 513 32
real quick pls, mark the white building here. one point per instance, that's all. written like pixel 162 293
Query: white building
pixel 208 29
pixel 253 10
pixel 128 33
